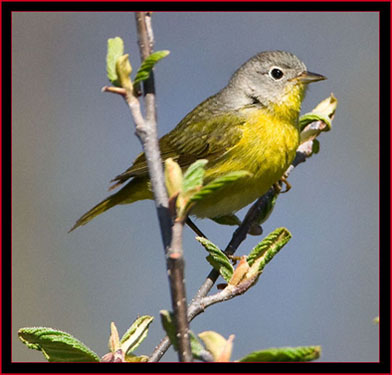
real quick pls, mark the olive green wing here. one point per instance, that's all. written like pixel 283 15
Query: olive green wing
pixel 195 137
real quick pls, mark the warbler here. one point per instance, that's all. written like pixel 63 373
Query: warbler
pixel 251 125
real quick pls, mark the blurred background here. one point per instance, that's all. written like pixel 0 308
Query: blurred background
pixel 69 140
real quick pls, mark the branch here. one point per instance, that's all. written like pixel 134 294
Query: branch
pixel 175 267
pixel 146 131
pixel 149 138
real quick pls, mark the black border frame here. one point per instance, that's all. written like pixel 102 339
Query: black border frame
pixel 316 367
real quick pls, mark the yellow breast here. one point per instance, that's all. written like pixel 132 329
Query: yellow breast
pixel 266 149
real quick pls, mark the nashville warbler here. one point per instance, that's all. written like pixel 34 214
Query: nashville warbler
pixel 251 125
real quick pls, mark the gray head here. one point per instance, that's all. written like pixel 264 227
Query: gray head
pixel 267 78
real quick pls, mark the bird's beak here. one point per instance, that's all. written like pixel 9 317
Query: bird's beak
pixel 308 77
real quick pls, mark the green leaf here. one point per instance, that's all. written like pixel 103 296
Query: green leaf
pixel 193 177
pixel 56 346
pixel 214 342
pixel 325 112
pixel 218 184
pixel 295 354
pixel 227 220
pixel 198 350
pixel 114 51
pixel 169 327
pixel 114 339
pixel 217 259
pixel 217 345
pixel 136 358
pixel 136 334
pixel 124 70
pixel 148 64
pixel 167 320
pixel 315 146
pixel 269 247
pixel 173 177
pixel 310 117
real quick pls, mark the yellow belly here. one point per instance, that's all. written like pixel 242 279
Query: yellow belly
pixel 266 149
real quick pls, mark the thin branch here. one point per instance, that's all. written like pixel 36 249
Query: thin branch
pixel 146 44
pixel 148 136
pixel 194 227
pixel 114 90
pixel 175 267
pixel 147 133
pixel 226 294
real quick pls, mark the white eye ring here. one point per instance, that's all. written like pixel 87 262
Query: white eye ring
pixel 276 73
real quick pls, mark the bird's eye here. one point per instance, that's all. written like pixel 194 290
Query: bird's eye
pixel 276 74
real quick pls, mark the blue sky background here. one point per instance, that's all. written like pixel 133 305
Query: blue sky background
pixel 69 140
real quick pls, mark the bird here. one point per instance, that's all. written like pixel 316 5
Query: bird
pixel 249 125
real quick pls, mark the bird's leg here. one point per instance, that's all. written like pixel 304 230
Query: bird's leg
pixel 278 185
pixel 288 185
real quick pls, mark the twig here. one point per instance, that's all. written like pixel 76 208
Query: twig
pixel 148 135
pixel 194 227
pixel 175 267
pixel 172 241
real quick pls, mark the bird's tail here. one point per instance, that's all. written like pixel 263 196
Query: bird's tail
pixel 135 190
